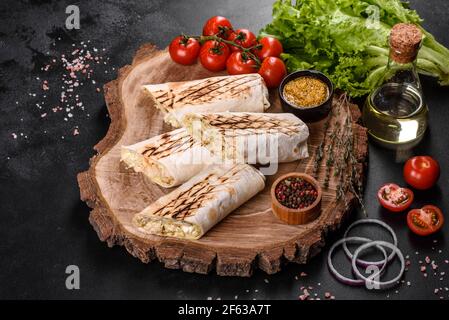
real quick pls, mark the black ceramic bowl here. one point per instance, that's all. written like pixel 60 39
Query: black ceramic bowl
pixel 307 114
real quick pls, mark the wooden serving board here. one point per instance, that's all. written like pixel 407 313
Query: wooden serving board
pixel 250 237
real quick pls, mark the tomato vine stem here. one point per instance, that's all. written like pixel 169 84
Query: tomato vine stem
pixel 203 39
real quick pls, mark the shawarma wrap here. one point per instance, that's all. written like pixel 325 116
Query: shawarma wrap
pixel 169 159
pixel 199 204
pixel 243 137
pixel 217 94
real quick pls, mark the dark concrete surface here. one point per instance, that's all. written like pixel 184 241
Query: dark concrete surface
pixel 44 225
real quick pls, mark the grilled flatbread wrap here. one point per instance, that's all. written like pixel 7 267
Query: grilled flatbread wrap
pixel 217 94
pixel 244 137
pixel 199 204
pixel 169 159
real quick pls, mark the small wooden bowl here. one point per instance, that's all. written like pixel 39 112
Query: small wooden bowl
pixel 297 216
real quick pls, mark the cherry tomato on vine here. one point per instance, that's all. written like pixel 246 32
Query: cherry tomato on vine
pixel 427 220
pixel 219 26
pixel 240 63
pixel 270 47
pixel 394 198
pixel 421 172
pixel 272 70
pixel 213 55
pixel 184 50
pixel 242 37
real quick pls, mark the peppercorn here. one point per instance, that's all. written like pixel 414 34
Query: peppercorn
pixel 295 192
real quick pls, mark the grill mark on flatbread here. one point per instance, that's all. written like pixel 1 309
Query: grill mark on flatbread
pixel 198 87
pixel 180 207
pixel 236 93
pixel 189 201
pixel 190 206
pixel 194 96
pixel 173 145
pixel 259 124
pixel 233 133
pixel 164 94
pixel 173 148
pixel 168 103
pixel 220 89
pixel 162 101
pixel 225 89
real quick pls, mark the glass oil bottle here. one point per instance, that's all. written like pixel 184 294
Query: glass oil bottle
pixel 395 113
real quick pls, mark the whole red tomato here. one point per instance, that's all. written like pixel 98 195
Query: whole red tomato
pixel 244 38
pixel 421 172
pixel 240 63
pixel 270 47
pixel 184 50
pixel 213 55
pixel 272 70
pixel 219 26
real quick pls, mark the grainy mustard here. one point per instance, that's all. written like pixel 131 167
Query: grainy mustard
pixel 305 92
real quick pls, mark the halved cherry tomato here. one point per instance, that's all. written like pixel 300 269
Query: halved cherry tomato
pixel 272 70
pixel 213 55
pixel 271 47
pixel 184 50
pixel 421 172
pixel 427 220
pixel 394 198
pixel 244 38
pixel 219 26
pixel 240 63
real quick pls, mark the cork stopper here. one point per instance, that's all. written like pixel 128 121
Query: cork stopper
pixel 405 41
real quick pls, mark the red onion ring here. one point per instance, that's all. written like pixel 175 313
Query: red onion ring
pixel 346 280
pixel 380 284
pixel 364 263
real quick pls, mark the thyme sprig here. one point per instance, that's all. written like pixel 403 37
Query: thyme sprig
pixel 344 161
pixel 350 162
pixel 320 150
pixel 330 151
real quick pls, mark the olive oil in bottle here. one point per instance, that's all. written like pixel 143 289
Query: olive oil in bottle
pixel 395 113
